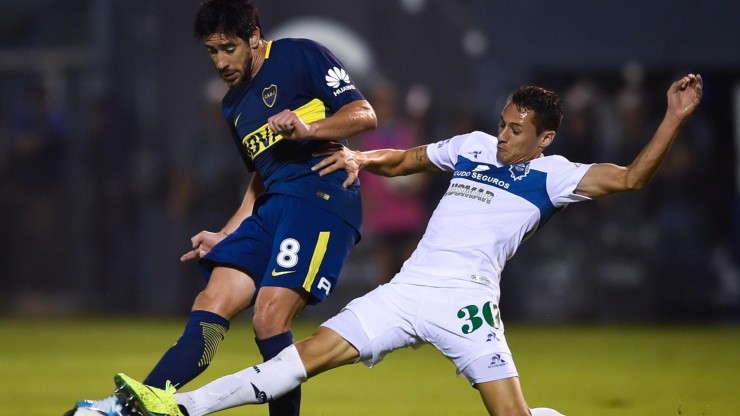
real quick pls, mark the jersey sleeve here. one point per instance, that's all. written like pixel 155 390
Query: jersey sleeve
pixel 562 180
pixel 327 77
pixel 444 153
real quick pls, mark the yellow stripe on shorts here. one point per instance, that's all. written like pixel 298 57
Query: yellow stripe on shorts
pixel 316 259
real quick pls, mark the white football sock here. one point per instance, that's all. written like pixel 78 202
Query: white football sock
pixel 256 384
pixel 544 411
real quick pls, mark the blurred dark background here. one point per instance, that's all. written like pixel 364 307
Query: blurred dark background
pixel 113 153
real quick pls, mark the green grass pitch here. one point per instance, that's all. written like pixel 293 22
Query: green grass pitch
pixel 48 364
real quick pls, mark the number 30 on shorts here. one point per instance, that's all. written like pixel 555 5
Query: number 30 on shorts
pixel 472 316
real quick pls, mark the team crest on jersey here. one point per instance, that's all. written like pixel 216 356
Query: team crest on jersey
pixel 269 95
pixel 519 171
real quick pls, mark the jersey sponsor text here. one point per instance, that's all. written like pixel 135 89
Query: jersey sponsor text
pixel 472 192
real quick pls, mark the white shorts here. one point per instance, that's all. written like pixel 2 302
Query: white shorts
pixel 463 323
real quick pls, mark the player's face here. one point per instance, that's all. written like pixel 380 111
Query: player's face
pixel 518 140
pixel 232 57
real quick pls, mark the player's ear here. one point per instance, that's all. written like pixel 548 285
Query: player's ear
pixel 546 138
pixel 254 39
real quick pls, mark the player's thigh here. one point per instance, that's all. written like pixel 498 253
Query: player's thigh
pixel 503 397
pixel 464 323
pixel 228 292
pixel 379 322
pixel 309 248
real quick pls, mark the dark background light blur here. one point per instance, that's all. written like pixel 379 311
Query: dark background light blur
pixel 112 153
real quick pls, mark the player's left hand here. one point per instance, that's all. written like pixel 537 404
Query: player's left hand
pixel 684 96
pixel 338 157
pixel 202 242
pixel 289 125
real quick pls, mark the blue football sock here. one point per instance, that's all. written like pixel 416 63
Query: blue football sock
pixel 192 353
pixel 290 403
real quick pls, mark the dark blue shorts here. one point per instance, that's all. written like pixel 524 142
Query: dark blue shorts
pixel 287 242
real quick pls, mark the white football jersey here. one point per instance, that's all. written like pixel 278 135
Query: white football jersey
pixel 489 209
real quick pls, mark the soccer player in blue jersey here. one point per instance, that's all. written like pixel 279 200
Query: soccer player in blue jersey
pixel 503 188
pixel 285 245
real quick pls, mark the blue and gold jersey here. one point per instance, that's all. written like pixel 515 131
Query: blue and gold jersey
pixel 302 76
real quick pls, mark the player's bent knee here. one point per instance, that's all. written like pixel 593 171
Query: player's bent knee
pixel 223 303
pixel 275 309
pixel 227 293
pixel 205 301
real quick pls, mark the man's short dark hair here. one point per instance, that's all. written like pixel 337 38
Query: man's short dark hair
pixel 547 106
pixel 230 17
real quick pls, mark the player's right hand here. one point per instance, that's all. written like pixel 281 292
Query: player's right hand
pixel 685 95
pixel 203 242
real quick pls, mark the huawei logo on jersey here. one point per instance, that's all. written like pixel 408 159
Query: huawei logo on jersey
pixel 269 95
pixel 335 77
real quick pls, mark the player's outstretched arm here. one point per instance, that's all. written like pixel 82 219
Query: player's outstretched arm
pixel 394 162
pixel 383 162
pixel 604 179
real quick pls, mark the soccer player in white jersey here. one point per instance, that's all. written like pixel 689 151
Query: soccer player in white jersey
pixel 502 189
